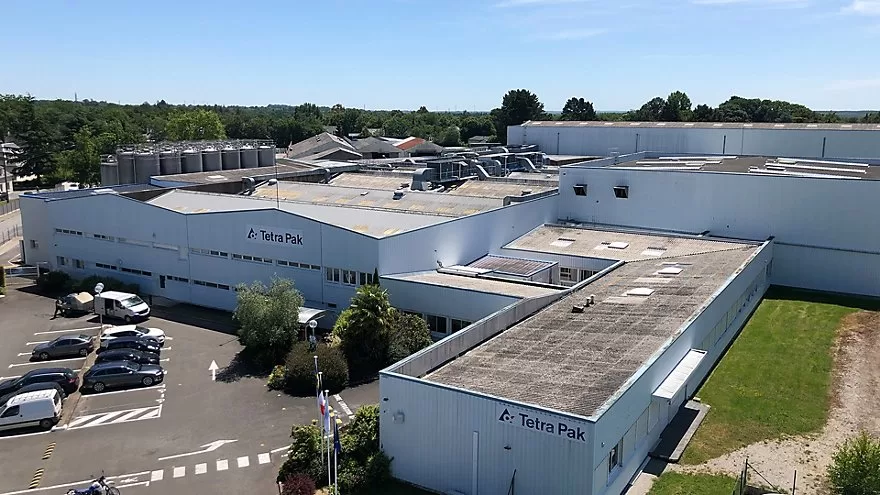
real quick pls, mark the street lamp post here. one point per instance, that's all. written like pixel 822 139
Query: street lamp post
pixel 98 289
pixel 313 341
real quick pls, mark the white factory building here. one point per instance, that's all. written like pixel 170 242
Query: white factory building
pixel 577 312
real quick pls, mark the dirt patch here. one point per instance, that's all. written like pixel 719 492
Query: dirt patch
pixel 854 405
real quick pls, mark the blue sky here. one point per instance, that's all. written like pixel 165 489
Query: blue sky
pixel 449 54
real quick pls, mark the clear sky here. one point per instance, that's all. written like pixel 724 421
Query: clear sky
pixel 444 54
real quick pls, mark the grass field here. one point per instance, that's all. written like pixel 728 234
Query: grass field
pixel 774 380
pixel 670 483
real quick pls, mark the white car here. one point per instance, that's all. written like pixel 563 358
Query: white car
pixel 132 331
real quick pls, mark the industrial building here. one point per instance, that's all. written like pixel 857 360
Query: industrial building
pixel 579 298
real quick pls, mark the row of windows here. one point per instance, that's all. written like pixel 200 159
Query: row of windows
pixel 294 264
pixel 571 274
pixel 347 277
pixel 177 279
pixel 620 192
pixel 438 324
pixel 69 232
pixel 213 285
pixel 209 252
pixel 105 266
pixel 136 271
pixel 247 257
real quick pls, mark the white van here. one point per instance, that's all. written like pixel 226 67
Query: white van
pixel 40 408
pixel 122 305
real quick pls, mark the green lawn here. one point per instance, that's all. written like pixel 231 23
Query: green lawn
pixel 774 380
pixel 692 484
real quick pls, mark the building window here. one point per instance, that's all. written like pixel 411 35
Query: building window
pixel 236 256
pixel 336 273
pixel 621 192
pixel 35 244
pixel 349 277
pixel 105 266
pixel 313 267
pixel 458 324
pixel 61 260
pixel 213 285
pixel 136 271
pixel 102 236
pixel 436 324
pixel 566 274
pixel 79 264
pixel 168 247
pixel 614 459
pixel 580 190
pixel 329 273
pixel 585 274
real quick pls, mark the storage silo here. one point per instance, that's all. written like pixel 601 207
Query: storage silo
pixel 249 158
pixel 267 156
pixel 231 158
pixel 211 160
pixel 109 174
pixel 146 165
pixel 191 161
pixel 125 164
pixel 169 163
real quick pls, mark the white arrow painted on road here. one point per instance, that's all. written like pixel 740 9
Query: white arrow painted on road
pixel 210 447
pixel 213 369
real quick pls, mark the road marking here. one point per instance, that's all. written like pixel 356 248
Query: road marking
pixel 222 465
pixel 38 363
pixel 104 394
pixel 20 354
pixel 343 405
pixel 65 485
pixel 179 472
pixel 264 458
pixel 115 417
pixel 38 476
pixel 244 461
pixel 208 447
pixel 9 377
pixel 275 451
pixel 71 330
pixel 39 342
pixel 49 450
pixel 201 468
pixel 165 360
pixel 157 475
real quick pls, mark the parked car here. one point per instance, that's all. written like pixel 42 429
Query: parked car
pixel 146 344
pixel 66 345
pixel 133 331
pixel 132 355
pixel 122 374
pixel 41 408
pixel 33 387
pixel 65 377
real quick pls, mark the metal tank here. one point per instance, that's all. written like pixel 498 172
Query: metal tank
pixel 109 174
pixel 211 160
pixel 169 163
pixel 249 157
pixel 231 159
pixel 191 161
pixel 125 163
pixel 267 156
pixel 146 165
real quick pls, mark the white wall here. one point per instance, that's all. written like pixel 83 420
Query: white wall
pixel 602 141
pixel 434 445
pixel 832 214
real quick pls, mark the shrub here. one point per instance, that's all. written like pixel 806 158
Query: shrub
pixel 298 484
pixel 300 364
pixel 88 285
pixel 855 467
pixel 409 334
pixel 54 282
pixel 269 319
pixel 276 378
pixel 363 464
pixel 304 456
pixel 365 331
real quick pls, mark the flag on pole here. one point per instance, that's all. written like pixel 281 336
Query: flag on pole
pixel 337 447
pixel 326 425
pixel 322 402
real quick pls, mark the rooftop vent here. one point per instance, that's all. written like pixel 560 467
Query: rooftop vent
pixel 654 251
pixel 398 194
pixel 562 242
pixel 670 270
pixel 640 292
pixel 618 245
pixel 526 192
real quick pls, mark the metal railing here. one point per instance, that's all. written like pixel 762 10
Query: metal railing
pixel 9 207
pixel 10 234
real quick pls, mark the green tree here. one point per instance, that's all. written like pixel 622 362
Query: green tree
pixel 345 120
pixel 82 163
pixel 450 137
pixel 268 319
pixel 704 113
pixel 578 109
pixel 364 330
pixel 32 133
pixel 409 334
pixel 194 125
pixel 855 467
pixel 476 126
pixel 396 127
pixel 364 467
pixel 517 106
pixel 651 111
pixel 676 108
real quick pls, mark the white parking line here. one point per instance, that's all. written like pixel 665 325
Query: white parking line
pixel 142 389
pixel 264 458
pixel 37 363
pixel 275 451
pixel 39 342
pixel 164 360
pixel 20 354
pixel 9 377
pixel 201 468
pixel 157 475
pixel 179 472
pixel 222 465
pixel 244 461
pixel 71 330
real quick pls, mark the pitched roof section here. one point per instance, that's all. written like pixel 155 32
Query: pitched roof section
pixel 317 144
pixel 409 143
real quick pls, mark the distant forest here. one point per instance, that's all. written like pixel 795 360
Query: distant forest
pixel 64 140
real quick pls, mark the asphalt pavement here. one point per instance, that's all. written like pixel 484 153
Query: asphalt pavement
pixel 189 434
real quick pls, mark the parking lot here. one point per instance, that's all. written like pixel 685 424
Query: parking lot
pixel 188 434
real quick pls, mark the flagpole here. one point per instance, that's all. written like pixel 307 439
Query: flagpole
pixel 320 416
pixel 329 481
pixel 336 457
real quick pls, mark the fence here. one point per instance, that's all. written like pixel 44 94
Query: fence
pixel 9 207
pixel 10 234
pixel 762 485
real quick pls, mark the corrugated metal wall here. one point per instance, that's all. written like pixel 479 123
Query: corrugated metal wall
pixel 434 444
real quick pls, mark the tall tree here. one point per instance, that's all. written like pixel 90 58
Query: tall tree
pixel 651 111
pixel 578 109
pixel 450 137
pixel 268 318
pixel 365 330
pixel 476 126
pixel 32 132
pixel 517 106
pixel 704 113
pixel 193 125
pixel 82 163
pixel 676 108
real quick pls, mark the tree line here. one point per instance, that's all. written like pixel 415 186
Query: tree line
pixel 64 140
